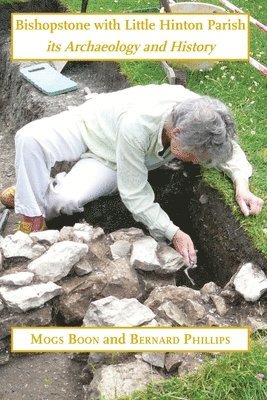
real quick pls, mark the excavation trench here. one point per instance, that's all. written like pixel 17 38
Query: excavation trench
pixel 198 209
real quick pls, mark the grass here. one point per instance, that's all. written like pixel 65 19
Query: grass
pixel 229 377
pixel 240 86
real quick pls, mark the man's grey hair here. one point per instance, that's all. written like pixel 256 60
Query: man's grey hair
pixel 207 128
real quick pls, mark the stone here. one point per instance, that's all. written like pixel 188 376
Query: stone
pixel 49 237
pixel 130 234
pixel 194 310
pixel 4 356
pixel 212 321
pixel 191 362
pixel 230 295
pixel 172 362
pixel 170 260
pixel 149 281
pixel 18 279
pixel 210 288
pixel 40 317
pixel 17 245
pixel 119 249
pixel 144 256
pixel 154 359
pixel 1 306
pixel 97 233
pixel 96 359
pixel 84 227
pixel 113 381
pixel 78 293
pixel 256 324
pixel 82 233
pixel 122 280
pixel 151 323
pixel 111 311
pixel 1 261
pixel 82 236
pixel 175 294
pixel 100 249
pixel 172 314
pixel 66 233
pixel 83 267
pixel 204 199
pixel 28 297
pixel 251 282
pixel 38 250
pixel 57 262
pixel 220 304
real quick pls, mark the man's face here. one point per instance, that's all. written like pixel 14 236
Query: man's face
pixel 182 155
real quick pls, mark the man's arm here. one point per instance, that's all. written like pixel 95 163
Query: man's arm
pixel 138 195
pixel 240 170
pixel 132 174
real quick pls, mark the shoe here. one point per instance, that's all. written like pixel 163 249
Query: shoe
pixel 7 197
pixel 32 224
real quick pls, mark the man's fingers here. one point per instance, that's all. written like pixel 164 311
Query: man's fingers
pixel 185 255
pixel 192 252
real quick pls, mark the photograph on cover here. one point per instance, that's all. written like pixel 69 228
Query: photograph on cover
pixel 133 234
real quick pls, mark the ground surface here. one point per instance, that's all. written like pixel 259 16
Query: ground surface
pixel 41 377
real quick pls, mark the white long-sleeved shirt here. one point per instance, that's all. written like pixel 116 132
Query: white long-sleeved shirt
pixel 124 131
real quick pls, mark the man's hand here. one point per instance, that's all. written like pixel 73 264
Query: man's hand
pixel 247 201
pixel 184 245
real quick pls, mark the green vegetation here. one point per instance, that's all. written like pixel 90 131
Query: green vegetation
pixel 229 377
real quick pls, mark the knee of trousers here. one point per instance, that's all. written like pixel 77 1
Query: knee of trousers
pixel 24 136
pixel 62 202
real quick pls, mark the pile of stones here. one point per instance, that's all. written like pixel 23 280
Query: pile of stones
pixel 85 277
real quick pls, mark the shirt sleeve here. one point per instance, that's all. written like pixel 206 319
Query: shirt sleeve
pixel 238 165
pixel 132 174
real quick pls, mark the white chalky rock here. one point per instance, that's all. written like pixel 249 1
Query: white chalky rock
pixel 1 306
pixel 220 304
pixel 170 313
pixel 120 249
pixel 250 282
pixel 155 359
pixel 37 250
pixel 82 233
pixel 171 261
pixel 50 236
pixel 17 245
pixel 114 381
pixel 144 254
pixel 83 267
pixel 18 279
pixel 111 311
pixel 58 260
pixel 29 297
pixel 1 261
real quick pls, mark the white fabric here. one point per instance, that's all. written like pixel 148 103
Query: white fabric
pixel 38 146
pixel 123 130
